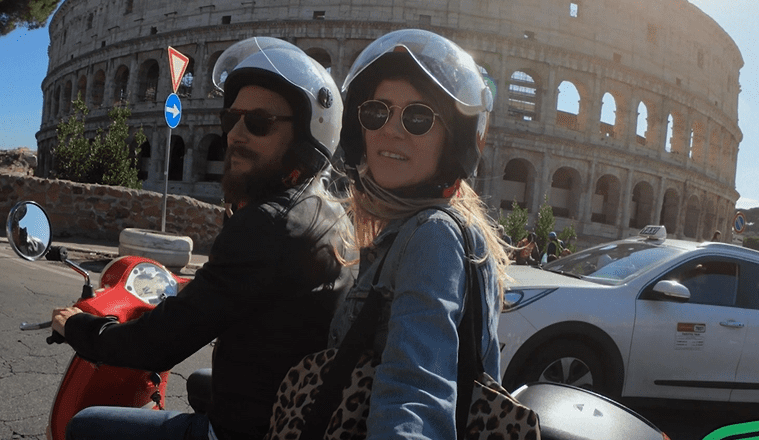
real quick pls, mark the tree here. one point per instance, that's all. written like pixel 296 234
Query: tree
pixel 545 224
pixel 106 159
pixel 32 14
pixel 567 235
pixel 515 224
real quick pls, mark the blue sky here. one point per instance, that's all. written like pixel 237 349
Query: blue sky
pixel 24 66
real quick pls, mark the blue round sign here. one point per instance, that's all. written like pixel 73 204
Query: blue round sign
pixel 739 223
pixel 173 110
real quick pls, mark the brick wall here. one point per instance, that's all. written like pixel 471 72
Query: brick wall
pixel 102 212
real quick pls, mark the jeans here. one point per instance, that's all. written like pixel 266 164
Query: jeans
pixel 117 423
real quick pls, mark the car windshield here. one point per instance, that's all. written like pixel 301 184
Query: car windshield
pixel 613 263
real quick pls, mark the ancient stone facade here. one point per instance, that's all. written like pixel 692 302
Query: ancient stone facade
pixel 620 113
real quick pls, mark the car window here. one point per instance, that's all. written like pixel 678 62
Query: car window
pixel 748 289
pixel 710 282
pixel 613 263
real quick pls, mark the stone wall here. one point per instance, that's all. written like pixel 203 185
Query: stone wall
pixel 101 212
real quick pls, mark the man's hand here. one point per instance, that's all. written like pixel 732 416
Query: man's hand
pixel 60 316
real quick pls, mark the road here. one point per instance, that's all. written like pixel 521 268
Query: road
pixel 30 370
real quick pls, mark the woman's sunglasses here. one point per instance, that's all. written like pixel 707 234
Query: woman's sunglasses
pixel 258 121
pixel 417 119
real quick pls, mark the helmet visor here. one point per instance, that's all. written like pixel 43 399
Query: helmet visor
pixel 446 63
pixel 276 56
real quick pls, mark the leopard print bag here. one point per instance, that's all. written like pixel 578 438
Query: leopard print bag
pixel 327 395
pixel 297 393
pixel 493 414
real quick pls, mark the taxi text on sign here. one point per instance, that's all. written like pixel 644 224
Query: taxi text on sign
pixel 177 65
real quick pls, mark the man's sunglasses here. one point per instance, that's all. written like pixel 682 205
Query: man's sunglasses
pixel 417 119
pixel 258 121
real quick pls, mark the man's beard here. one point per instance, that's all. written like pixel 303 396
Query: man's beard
pixel 260 181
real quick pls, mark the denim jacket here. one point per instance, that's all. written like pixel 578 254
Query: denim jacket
pixel 424 280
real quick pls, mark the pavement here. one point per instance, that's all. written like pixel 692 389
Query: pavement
pixel 103 250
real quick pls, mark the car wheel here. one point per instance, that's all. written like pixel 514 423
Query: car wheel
pixel 569 362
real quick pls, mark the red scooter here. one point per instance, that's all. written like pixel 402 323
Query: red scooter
pixel 129 286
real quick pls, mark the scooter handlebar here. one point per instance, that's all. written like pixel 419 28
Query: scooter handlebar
pixel 55 338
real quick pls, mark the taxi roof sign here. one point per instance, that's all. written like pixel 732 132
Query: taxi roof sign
pixel 177 65
pixel 653 232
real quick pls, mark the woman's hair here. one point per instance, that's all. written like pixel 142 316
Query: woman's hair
pixel 372 209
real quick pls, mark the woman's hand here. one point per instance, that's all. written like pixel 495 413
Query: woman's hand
pixel 60 316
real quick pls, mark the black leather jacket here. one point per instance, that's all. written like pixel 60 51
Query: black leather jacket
pixel 267 294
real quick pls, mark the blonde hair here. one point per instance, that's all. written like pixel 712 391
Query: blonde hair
pixel 372 209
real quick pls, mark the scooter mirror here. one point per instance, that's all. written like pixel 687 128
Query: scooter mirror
pixel 28 230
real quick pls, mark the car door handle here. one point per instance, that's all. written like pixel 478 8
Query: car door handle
pixel 731 323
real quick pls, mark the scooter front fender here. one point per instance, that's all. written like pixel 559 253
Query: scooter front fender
pixel 87 384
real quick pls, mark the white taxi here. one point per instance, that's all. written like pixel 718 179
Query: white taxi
pixel 645 317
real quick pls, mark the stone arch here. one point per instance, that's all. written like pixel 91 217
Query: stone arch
pixel 143 161
pixel 524 95
pixel 608 119
pixel 692 213
pixel 321 56
pixel 641 207
pixel 56 101
pixel 214 157
pixel 120 82
pixel 709 220
pixel 185 84
pixel 213 92
pixel 176 159
pixel 201 163
pixel 676 134
pixel 98 89
pixel 81 88
pixel 67 97
pixel 605 200
pixel 670 140
pixel 568 106
pixel 566 186
pixel 148 81
pixel 641 125
pixel 670 210
pixel 518 183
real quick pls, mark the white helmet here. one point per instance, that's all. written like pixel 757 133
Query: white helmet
pixel 284 68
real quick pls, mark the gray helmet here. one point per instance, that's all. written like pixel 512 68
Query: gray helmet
pixel 286 69
pixel 452 71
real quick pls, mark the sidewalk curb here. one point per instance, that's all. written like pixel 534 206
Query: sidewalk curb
pixel 106 251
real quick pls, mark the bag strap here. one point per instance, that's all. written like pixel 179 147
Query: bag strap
pixel 470 364
pixel 359 337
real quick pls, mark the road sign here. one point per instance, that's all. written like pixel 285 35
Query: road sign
pixel 173 110
pixel 739 223
pixel 177 65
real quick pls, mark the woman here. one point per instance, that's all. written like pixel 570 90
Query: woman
pixel 414 124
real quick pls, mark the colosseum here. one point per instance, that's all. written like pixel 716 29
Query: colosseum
pixel 618 113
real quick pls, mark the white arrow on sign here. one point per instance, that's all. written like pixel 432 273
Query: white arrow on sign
pixel 174 110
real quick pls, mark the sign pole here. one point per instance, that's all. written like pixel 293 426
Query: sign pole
pixel 173 113
pixel 166 181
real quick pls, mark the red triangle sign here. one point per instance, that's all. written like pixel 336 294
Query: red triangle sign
pixel 177 65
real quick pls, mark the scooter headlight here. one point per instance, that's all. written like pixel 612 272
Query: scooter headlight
pixel 150 283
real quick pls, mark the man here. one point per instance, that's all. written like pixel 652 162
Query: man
pixel 269 289
pixel 554 247
pixel 528 252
